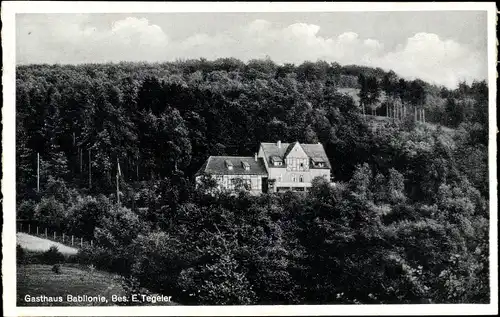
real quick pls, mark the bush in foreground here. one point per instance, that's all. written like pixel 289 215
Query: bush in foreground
pixel 52 256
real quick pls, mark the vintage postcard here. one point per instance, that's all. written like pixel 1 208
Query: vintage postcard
pixel 168 158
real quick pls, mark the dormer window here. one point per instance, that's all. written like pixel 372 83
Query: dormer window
pixel 229 165
pixel 318 162
pixel 245 165
pixel 276 161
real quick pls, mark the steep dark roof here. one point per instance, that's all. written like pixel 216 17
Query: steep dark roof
pixel 312 150
pixel 217 165
pixel 289 149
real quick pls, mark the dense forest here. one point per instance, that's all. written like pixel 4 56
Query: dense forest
pixel 406 221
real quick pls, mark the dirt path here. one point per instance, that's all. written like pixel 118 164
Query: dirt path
pixel 33 243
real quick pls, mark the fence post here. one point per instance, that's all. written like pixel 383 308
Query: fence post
pixel 29 228
pixel 72 239
pixel 54 235
pixel 36 230
pixel 20 227
pixel 91 242
pixel 45 232
pixel 63 237
pixel 81 242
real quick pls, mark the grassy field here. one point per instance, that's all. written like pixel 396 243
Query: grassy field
pixel 32 243
pixel 37 279
pixel 353 93
pixel 76 280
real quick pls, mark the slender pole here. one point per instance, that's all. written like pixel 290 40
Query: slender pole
pixel 81 242
pixel 137 166
pixel 45 232
pixel 72 240
pixel 90 170
pixel 117 189
pixel 63 237
pixel 38 172
pixel 29 228
pixel 36 230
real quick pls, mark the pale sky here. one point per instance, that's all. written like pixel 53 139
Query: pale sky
pixel 442 47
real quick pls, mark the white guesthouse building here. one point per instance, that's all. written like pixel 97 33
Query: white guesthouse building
pixel 276 167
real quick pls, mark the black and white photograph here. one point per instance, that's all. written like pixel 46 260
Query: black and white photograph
pixel 238 158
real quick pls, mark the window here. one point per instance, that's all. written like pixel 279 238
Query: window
pixel 301 179
pixel 245 165
pixel 302 166
pixel 276 160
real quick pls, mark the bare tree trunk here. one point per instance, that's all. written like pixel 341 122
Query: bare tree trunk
pixel 90 170
pixel 38 172
pixel 128 165
pixel 423 112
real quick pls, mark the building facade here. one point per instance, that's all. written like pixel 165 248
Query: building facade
pixel 275 167
pixel 293 166
pixel 235 172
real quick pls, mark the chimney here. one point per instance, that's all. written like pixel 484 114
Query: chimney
pixel 255 157
pixel 279 144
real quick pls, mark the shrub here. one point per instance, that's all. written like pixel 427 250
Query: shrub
pixel 85 214
pixel 99 257
pixel 26 210
pixel 52 256
pixel 51 212
pixel 220 283
pixel 56 268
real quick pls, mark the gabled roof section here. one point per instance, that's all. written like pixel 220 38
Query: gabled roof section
pixel 217 165
pixel 272 149
pixel 315 151
pixel 290 147
pixel 276 158
pixel 318 159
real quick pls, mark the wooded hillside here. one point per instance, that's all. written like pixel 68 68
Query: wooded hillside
pixel 407 221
